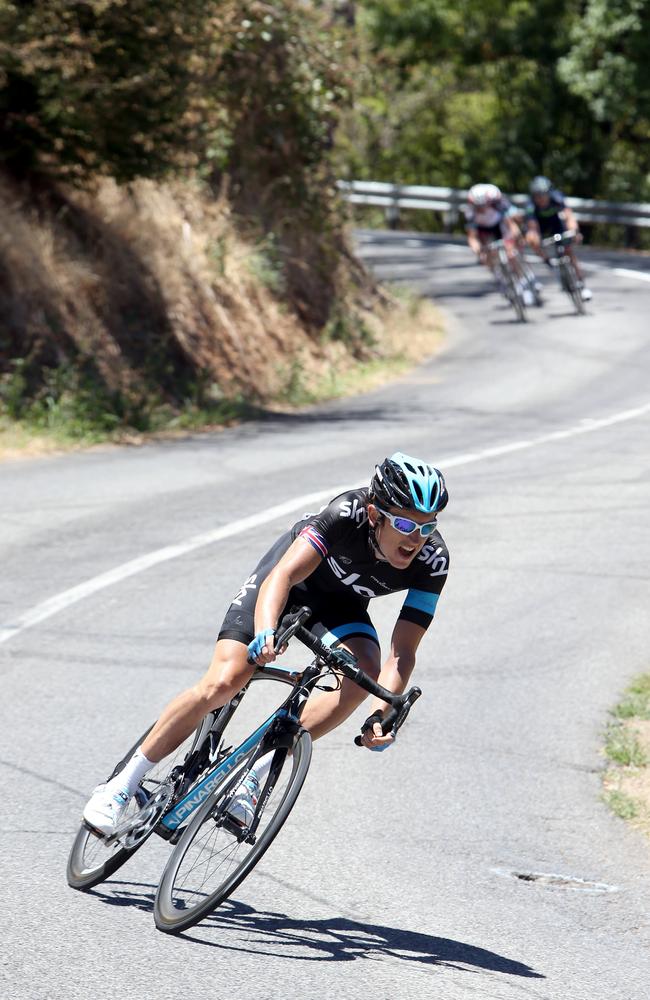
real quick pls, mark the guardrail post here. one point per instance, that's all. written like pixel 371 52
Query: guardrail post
pixel 451 217
pixel 392 211
pixel 631 237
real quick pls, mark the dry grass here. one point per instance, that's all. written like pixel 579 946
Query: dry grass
pixel 152 285
pixel 155 292
pixel 405 335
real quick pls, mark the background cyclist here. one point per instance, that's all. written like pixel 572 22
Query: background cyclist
pixel 488 218
pixel 365 543
pixel 547 213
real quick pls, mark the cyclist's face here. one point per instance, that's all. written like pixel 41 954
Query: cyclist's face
pixel 400 550
pixel 543 200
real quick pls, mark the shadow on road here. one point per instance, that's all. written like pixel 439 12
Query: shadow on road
pixel 239 927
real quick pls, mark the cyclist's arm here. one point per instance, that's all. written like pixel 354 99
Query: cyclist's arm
pixel 474 241
pixel 510 227
pixel 298 562
pixel 395 673
pixel 569 219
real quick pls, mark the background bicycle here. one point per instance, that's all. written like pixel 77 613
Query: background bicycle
pixel 561 259
pixel 514 276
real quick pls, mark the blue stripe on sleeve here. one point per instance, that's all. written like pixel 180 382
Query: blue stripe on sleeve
pixel 421 600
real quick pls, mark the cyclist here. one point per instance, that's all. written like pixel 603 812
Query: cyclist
pixel 365 543
pixel 547 213
pixel 488 218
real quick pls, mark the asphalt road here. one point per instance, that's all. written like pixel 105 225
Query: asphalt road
pixel 397 874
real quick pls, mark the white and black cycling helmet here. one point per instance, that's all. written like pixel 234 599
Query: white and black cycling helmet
pixel 409 483
pixel 540 185
pixel 480 195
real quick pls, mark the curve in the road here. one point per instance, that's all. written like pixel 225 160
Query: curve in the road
pixel 59 602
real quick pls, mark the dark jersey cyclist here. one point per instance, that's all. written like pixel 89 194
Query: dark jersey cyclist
pixel 365 543
pixel 547 214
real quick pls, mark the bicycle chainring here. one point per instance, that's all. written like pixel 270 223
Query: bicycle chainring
pixel 137 829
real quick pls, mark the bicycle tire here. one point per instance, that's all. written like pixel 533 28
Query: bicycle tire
pixel 569 282
pixel 91 859
pixel 172 912
pixel 516 298
pixel 531 281
pixel 575 291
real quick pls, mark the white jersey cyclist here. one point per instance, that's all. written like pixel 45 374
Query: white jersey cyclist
pixel 364 544
pixel 487 211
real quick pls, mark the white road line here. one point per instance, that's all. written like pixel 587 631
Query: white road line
pixel 627 273
pixel 66 598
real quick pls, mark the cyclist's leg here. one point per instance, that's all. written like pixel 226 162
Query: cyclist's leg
pixel 327 710
pixel 534 237
pixel 227 674
pixel 574 260
pixel 229 669
pixel 345 624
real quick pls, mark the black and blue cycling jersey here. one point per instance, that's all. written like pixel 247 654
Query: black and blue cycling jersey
pixel 348 577
pixel 549 219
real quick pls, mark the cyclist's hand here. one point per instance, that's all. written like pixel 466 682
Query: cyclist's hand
pixel 372 735
pixel 262 648
pixel 375 740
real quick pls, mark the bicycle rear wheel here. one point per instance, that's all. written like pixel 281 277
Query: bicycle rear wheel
pixel 212 857
pixel 93 858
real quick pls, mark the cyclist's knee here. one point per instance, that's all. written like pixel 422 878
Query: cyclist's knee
pixel 228 673
pixel 213 692
pixel 367 653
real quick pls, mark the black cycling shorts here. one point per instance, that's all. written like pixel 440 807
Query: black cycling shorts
pixel 489 234
pixel 333 618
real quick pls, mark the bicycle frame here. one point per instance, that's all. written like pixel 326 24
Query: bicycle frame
pixel 285 720
pixel 560 244
pixel 510 271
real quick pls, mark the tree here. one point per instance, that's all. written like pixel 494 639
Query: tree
pixel 101 86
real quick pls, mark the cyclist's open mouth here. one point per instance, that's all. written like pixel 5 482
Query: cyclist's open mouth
pixel 406 551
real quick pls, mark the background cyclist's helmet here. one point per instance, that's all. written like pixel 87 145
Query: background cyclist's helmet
pixel 540 185
pixel 402 481
pixel 484 194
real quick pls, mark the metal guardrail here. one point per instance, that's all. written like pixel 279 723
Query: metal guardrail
pixel 451 201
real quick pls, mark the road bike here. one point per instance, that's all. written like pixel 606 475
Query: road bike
pixel 563 261
pixel 513 275
pixel 186 799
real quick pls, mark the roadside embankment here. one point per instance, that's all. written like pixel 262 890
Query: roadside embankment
pixel 129 311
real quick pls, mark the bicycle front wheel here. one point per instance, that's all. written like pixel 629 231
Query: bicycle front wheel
pixel 213 857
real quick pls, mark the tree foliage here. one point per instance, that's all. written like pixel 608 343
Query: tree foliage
pixel 102 86
pixel 456 92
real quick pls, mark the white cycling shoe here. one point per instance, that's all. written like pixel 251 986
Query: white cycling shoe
pixel 242 807
pixel 586 294
pixel 104 810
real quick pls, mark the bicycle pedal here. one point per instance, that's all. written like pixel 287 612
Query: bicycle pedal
pixel 91 829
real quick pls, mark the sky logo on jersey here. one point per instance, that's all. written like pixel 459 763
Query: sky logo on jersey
pixel 353 509
pixel 315 539
pixel 350 580
pixel 248 585
pixel 435 558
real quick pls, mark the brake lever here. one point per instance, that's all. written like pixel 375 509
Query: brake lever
pixel 396 717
